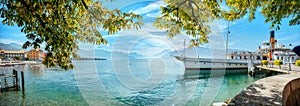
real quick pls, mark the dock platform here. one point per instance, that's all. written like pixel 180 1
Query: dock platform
pixel 10 64
pixel 283 69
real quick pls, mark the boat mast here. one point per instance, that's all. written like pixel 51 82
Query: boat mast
pixel 183 49
pixel 227 41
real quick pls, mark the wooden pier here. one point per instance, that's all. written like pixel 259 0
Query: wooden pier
pixel 282 69
pixel 11 81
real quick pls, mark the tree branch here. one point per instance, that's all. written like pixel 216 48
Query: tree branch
pixel 182 3
pixel 193 13
pixel 196 5
pixel 87 8
pixel 85 5
pixel 177 8
pixel 38 16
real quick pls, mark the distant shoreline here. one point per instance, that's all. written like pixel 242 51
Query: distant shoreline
pixel 90 59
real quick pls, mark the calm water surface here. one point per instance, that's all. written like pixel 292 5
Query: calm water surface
pixel 119 82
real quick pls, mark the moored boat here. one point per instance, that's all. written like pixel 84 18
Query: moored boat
pixel 241 60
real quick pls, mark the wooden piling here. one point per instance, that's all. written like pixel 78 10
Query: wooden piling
pixel 17 80
pixel 5 83
pixel 0 86
pixel 14 75
pixel 23 82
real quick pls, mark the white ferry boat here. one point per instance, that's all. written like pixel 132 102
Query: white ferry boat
pixel 212 63
pixel 242 60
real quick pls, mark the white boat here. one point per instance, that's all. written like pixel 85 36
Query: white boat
pixel 191 63
pixel 204 67
pixel 240 60
pixel 212 63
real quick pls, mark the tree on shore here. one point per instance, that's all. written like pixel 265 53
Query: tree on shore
pixel 61 24
pixel 192 17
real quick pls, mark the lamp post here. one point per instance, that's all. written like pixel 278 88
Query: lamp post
pixel 290 57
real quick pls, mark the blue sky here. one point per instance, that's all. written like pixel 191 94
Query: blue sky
pixel 150 41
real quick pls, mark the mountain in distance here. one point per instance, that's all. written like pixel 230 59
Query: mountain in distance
pixel 189 52
pixel 11 46
pixel 14 46
pixel 105 54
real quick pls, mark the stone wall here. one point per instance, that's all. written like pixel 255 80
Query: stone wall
pixel 291 93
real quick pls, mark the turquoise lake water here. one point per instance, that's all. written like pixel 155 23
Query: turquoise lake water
pixel 119 82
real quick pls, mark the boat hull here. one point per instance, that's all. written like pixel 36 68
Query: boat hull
pixel 213 64
pixel 213 67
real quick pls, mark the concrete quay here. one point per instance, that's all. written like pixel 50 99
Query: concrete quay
pixel 271 91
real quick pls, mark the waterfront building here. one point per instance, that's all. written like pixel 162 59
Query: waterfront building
pixel 11 54
pixel 35 54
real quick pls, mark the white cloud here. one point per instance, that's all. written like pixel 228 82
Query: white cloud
pixel 154 15
pixel 149 8
pixel 224 7
pixel 231 43
pixel 296 43
pixel 17 35
pixel 288 38
pixel 146 45
pixel 146 29
pixel 246 16
pixel 150 41
pixel 147 41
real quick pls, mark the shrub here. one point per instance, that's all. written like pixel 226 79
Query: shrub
pixel 265 62
pixel 278 62
pixel 297 63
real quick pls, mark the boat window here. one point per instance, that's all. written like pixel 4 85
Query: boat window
pixel 265 58
pixel 258 58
